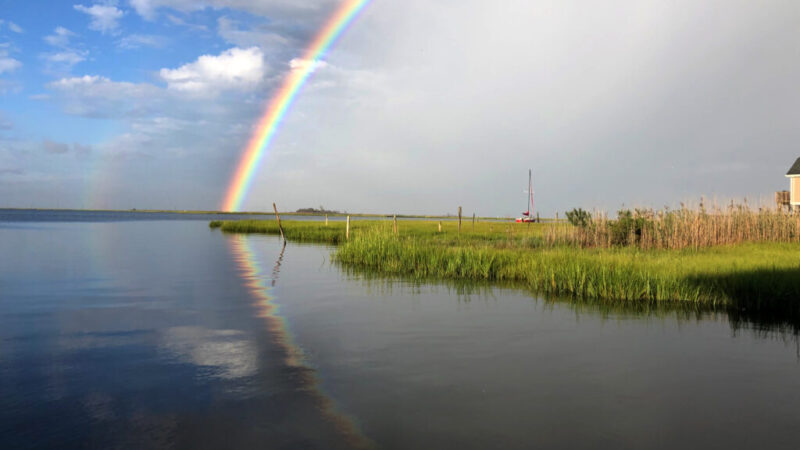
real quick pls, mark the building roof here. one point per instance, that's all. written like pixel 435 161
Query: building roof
pixel 795 170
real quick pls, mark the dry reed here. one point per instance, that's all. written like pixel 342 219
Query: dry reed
pixel 684 228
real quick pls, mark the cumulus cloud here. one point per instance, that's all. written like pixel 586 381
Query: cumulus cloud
pixel 104 18
pixel 8 64
pixel 235 68
pixel 60 37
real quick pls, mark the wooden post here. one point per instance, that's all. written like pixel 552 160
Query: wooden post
pixel 538 220
pixel 326 220
pixel 347 229
pixel 556 216
pixel 440 226
pixel 394 225
pixel 473 221
pixel 459 219
pixel 278 218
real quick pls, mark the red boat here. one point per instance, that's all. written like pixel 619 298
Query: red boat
pixel 527 216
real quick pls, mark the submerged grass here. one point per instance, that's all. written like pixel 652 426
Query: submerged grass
pixel 748 275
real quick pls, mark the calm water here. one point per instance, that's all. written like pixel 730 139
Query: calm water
pixel 165 334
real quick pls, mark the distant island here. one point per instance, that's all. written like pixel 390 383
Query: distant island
pixel 320 210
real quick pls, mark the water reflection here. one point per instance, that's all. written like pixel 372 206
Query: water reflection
pixel 255 281
pixel 763 323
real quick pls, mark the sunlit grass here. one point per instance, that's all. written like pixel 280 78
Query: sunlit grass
pixel 746 275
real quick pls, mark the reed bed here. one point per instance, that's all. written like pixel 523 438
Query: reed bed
pixel 681 229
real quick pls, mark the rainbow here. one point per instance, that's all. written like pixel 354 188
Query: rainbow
pixel 279 105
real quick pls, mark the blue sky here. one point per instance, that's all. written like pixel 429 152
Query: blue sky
pixel 423 105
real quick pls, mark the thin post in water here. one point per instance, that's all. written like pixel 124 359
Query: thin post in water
pixel 394 225
pixel 278 218
pixel 459 219
pixel 347 229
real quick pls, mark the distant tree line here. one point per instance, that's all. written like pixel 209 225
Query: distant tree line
pixel 320 210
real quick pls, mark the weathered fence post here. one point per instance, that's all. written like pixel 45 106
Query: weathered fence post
pixel 440 226
pixel 459 219
pixel 394 225
pixel 278 218
pixel 347 229
pixel 326 220
pixel 473 221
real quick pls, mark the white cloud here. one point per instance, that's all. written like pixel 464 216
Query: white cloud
pixel 67 56
pixel 14 27
pixel 99 86
pixel 302 64
pixel 96 96
pixel 232 69
pixel 178 21
pixel 104 18
pixel 8 64
pixel 60 37
pixel 134 41
pixel 148 8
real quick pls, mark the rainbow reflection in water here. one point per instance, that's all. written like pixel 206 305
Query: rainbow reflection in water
pixel 256 280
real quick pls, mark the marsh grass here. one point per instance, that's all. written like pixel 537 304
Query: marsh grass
pixel 756 275
pixel 742 259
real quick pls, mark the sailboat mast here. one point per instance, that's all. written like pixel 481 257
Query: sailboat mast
pixel 530 182
pixel 530 192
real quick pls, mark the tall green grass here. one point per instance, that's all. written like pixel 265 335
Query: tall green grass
pixel 755 275
pixel 761 274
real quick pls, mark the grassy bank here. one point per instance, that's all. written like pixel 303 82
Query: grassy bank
pixel 759 275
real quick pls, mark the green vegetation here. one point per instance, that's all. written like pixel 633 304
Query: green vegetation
pixel 579 218
pixel 757 275
pixel 297 230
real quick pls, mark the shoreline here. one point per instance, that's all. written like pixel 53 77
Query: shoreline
pixel 255 213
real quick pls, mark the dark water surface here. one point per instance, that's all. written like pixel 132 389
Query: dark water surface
pixel 165 334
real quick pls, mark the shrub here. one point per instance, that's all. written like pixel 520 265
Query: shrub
pixel 579 218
